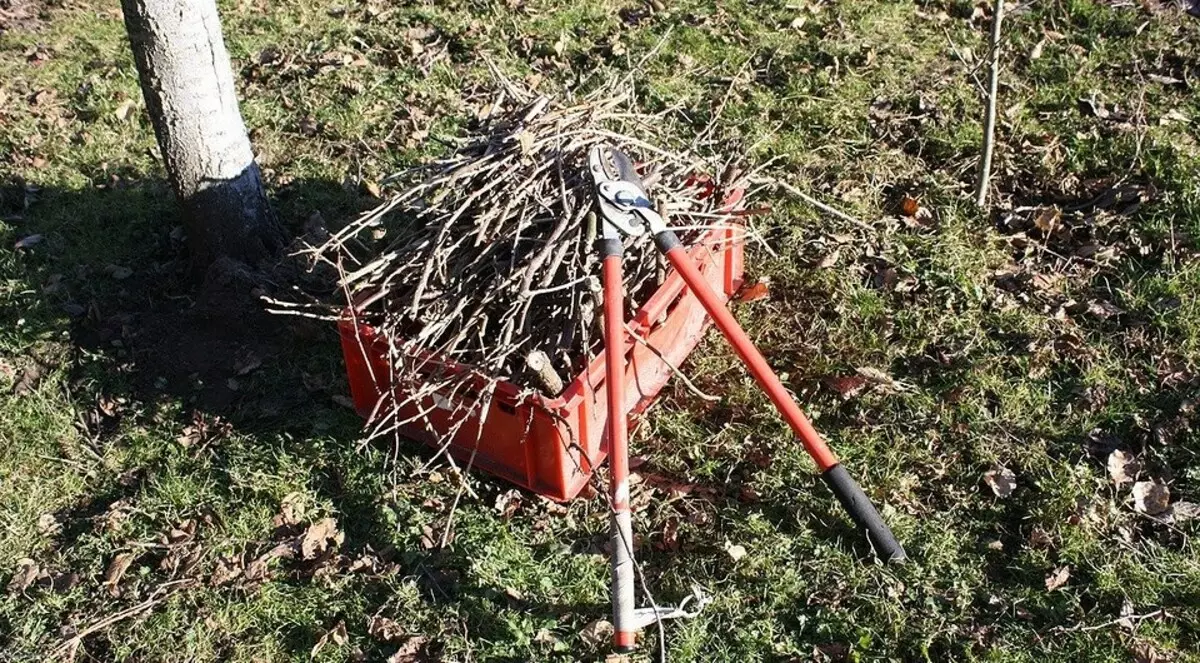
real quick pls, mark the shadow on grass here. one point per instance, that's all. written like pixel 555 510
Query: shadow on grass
pixel 143 338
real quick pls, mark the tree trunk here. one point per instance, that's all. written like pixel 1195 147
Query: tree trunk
pixel 187 81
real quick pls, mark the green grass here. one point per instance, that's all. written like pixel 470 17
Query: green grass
pixel 862 104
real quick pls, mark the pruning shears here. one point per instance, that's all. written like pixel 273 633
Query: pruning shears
pixel 625 210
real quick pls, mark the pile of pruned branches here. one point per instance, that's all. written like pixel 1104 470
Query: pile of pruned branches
pixel 484 258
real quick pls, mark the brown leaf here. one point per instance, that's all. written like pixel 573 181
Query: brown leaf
pixel 410 651
pixel 31 377
pixel 1123 467
pixel 48 524
pixel 320 537
pixel 1039 538
pixel 337 635
pixel 1047 219
pixel 881 378
pixel 830 259
pixel 384 629
pixel 846 386
pixel 1103 310
pixel 1001 480
pixel 1150 497
pixel 909 206
pixel 228 569
pixel 508 502
pixel 259 568
pixel 27 572
pixel 1037 50
pixel 116 570
pixel 125 110
pixel 1144 652
pixel 428 538
pixel 755 292
pixel 1182 512
pixel 1057 578
pixel 597 633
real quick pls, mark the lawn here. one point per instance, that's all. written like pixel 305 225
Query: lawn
pixel 181 482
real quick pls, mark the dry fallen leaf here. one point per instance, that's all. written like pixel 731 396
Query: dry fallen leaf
pixel 337 635
pixel 508 502
pixel 410 651
pixel 382 628
pixel 30 378
pixel 881 378
pixel 1057 578
pixel 1123 467
pixel 27 572
pixel 760 290
pixel 1037 50
pixel 1040 538
pixel 909 206
pixel 48 524
pixel 597 632
pixel 830 259
pixel 1182 512
pixel 1047 219
pixel 846 386
pixel 125 110
pixel 735 551
pixel 27 242
pixel 1150 497
pixel 319 537
pixel 1144 652
pixel 116 570
pixel 1001 480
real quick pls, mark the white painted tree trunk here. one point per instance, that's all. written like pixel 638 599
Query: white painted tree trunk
pixel 188 84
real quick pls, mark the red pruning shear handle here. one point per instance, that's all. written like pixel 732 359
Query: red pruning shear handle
pixel 626 210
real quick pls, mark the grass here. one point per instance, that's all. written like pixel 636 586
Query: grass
pixel 989 331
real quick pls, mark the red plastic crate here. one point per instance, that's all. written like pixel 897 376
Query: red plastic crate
pixel 551 445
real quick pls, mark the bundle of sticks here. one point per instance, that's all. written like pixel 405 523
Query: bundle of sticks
pixel 484 257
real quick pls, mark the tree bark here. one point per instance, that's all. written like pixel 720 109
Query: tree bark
pixel 188 85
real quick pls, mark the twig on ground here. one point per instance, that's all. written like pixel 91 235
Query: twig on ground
pixel 989 127
pixel 69 647
pixel 832 211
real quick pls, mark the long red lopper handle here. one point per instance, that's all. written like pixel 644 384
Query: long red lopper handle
pixel 624 631
pixel 847 491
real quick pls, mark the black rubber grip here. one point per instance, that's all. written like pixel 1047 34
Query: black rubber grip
pixel 864 514
pixel 666 240
pixel 608 246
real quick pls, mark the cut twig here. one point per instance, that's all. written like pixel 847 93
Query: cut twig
pixel 542 369
pixel 989 124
